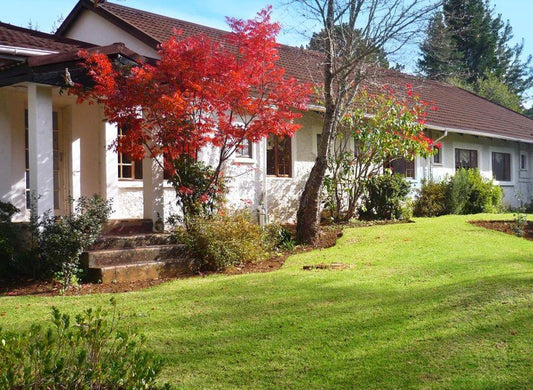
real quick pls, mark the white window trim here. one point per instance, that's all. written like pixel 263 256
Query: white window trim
pixel 469 146
pixel 441 163
pixel 512 153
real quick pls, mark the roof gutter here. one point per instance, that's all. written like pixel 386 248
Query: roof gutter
pixel 23 51
pixel 477 133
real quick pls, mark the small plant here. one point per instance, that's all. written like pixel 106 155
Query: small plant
pixel 384 197
pixel 223 240
pixel 431 200
pixel 471 193
pixel 279 238
pixel 63 239
pixel 87 352
pixel 7 235
pixel 520 218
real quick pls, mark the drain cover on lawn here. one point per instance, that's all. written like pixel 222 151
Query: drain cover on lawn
pixel 335 266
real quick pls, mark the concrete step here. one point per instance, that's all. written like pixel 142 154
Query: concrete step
pixel 141 271
pixel 118 257
pixel 127 226
pixel 132 241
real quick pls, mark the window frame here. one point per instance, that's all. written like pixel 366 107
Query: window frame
pixel 406 161
pixel 470 149
pixel 440 154
pixel 248 150
pixel 513 165
pixel 523 162
pixel 277 159
pixel 135 165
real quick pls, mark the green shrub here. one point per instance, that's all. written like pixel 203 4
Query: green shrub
pixel 470 193
pixel 384 197
pixel 278 238
pixel 87 352
pixel 7 235
pixel 63 239
pixel 431 200
pixel 223 240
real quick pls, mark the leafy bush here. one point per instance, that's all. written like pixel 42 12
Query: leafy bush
pixel 278 238
pixel 88 352
pixel 223 240
pixel 431 200
pixel 63 239
pixel 470 193
pixel 384 197
pixel 7 234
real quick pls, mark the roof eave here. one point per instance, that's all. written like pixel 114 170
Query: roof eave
pixel 477 133
pixel 110 17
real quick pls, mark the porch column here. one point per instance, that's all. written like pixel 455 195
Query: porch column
pixel 5 150
pixel 153 193
pixel 40 137
pixel 110 164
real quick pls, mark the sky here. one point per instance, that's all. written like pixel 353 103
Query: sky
pixel 44 15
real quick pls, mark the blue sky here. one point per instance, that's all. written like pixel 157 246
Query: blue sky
pixel 213 12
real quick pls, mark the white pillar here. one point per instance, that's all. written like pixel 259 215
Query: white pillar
pixel 5 150
pixel 40 131
pixel 110 164
pixel 153 191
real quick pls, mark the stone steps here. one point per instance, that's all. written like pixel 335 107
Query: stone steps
pixel 142 271
pixel 132 241
pixel 129 250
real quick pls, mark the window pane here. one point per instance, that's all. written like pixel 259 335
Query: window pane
pixel 466 158
pixel 501 166
pixel 279 159
pixel 245 149
pixel 403 167
pixel 437 156
pixel 126 172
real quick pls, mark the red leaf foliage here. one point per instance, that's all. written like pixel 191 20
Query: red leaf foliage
pixel 200 93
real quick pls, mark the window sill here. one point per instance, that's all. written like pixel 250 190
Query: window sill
pixel 130 183
pixel 279 177
pixel 243 160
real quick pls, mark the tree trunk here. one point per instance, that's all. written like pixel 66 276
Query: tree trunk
pixel 308 215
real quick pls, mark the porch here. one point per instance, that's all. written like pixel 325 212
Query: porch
pixel 54 150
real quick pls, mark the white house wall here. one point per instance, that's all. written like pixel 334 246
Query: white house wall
pixel 520 180
pixel 93 28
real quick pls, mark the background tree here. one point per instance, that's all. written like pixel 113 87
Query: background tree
pixel 199 94
pixel 387 25
pixel 466 42
pixel 378 127
pixel 318 40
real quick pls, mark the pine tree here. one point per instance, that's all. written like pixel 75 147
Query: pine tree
pixel 465 41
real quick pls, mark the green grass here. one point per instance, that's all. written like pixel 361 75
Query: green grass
pixel 438 303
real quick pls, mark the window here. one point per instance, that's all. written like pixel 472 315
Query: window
pixel 501 166
pixel 279 159
pixel 56 158
pixel 523 162
pixel 437 157
pixel 403 167
pixel 128 169
pixel 244 150
pixel 466 158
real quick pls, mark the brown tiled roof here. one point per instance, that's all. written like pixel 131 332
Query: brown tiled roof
pixel 457 109
pixel 29 39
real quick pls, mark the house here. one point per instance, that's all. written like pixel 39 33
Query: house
pixel 55 148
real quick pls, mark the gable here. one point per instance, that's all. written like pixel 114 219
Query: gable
pixel 93 28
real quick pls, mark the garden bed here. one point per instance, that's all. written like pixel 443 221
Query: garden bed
pixel 506 227
pixel 16 287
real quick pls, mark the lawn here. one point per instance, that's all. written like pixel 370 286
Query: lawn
pixel 438 303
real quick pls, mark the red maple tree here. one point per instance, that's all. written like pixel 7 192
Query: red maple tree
pixel 201 92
